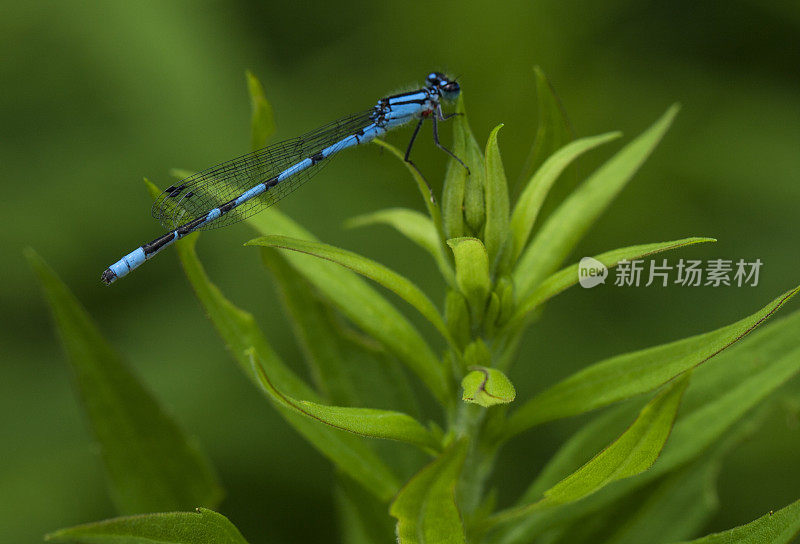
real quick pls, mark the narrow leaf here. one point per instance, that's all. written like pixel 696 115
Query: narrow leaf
pixel 570 221
pixel 362 421
pixel 425 508
pixel 496 232
pixel 361 304
pixel 530 201
pixel 202 527
pixel 240 333
pixel 779 527
pixel 553 130
pixel 413 225
pixel 631 374
pixel 569 276
pixel 150 461
pixel 377 272
pixel 632 453
pixel 262 120
pixel 472 274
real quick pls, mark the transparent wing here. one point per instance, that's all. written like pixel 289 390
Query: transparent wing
pixel 194 196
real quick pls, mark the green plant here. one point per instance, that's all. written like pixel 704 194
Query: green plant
pixel 672 421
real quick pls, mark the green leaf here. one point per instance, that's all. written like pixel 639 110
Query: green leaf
pixel 262 120
pixel 553 130
pixel 570 221
pixel 721 394
pixel 533 195
pixel 455 178
pixel 368 422
pixel 496 232
pixel 150 462
pixel 425 508
pixel 632 453
pixel 416 227
pixel 569 276
pixel 424 189
pixel 472 274
pixel 202 527
pixel 240 333
pixel 774 528
pixel 377 272
pixel 630 374
pixel 487 387
pixel 361 304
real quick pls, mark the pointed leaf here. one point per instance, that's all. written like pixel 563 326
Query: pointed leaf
pixel 533 195
pixel 553 130
pixel 262 119
pixel 150 461
pixel 632 453
pixel 774 528
pixel 361 304
pixel 496 233
pixel 425 508
pixel 240 333
pixel 414 226
pixel 569 276
pixel 570 221
pixel 487 387
pixel 202 527
pixel 362 421
pixel 472 274
pixel 627 375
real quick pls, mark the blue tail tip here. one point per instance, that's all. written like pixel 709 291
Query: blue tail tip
pixel 108 276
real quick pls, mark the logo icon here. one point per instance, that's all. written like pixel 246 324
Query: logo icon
pixel 591 272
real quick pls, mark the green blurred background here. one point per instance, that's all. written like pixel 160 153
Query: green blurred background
pixel 96 95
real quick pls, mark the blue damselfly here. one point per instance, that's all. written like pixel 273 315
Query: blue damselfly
pixel 236 189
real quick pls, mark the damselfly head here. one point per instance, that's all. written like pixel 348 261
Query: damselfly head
pixel 448 88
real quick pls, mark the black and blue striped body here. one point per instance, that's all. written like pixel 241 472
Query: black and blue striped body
pixel 233 190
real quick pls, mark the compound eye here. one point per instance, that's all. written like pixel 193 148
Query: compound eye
pixel 432 79
pixel 451 87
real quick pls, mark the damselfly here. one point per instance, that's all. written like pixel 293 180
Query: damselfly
pixel 236 189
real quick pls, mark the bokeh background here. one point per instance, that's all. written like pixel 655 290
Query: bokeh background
pixel 96 95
